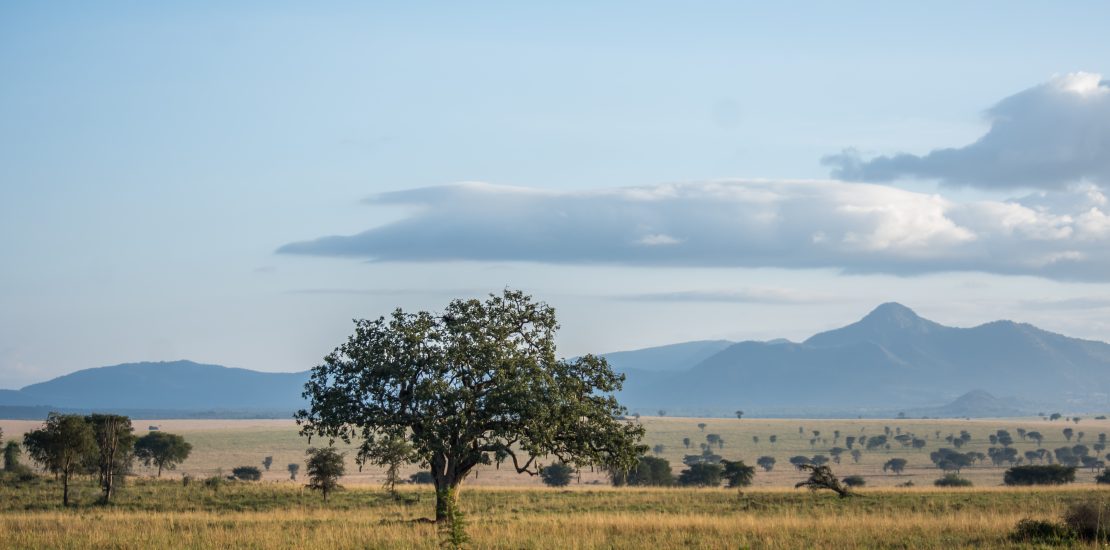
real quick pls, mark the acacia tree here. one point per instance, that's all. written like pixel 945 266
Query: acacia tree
pixel 62 446
pixel 480 379
pixel 115 444
pixel 162 450
pixel 325 467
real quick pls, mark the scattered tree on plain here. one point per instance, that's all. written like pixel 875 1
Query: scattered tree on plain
pixel 267 462
pixel 246 473
pixel 62 446
pixel 556 475
pixel 822 477
pixel 896 465
pixel 1051 474
pixel 701 475
pixel 482 377
pixel 766 462
pixel 737 474
pixel 293 469
pixel 325 467
pixel 115 444
pixel 162 450
pixel 649 471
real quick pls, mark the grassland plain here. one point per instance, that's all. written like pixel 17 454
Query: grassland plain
pixel 224 444
pixel 165 514
pixel 506 510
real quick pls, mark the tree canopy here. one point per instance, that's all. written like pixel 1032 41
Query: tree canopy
pixel 162 450
pixel 478 380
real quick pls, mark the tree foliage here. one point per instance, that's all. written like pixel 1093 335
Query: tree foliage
pixel 480 378
pixel 115 443
pixel 162 450
pixel 701 475
pixel 1049 474
pixel 737 474
pixel 649 471
pixel 62 446
pixel 556 475
pixel 325 467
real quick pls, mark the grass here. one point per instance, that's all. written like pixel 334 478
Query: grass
pixel 505 510
pixel 278 515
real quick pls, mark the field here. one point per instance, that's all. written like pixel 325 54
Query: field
pixel 509 511
pixel 224 444
pixel 165 514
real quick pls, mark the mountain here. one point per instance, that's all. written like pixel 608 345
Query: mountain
pixel 672 357
pixel 976 403
pixel 165 386
pixel 891 360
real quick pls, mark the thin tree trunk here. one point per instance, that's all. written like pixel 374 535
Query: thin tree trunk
pixel 65 490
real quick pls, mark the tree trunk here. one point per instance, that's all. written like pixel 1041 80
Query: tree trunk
pixel 65 490
pixel 447 499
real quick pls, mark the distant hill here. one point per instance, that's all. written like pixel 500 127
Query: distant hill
pixel 165 386
pixel 976 404
pixel 890 360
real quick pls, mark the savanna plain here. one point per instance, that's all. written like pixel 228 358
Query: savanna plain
pixel 506 510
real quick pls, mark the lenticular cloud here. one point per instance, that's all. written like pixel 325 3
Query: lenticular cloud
pixel 853 227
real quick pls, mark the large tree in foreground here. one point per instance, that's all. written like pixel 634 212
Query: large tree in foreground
pixel 478 382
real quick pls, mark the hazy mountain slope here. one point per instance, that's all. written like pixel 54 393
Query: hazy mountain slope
pixel 891 359
pixel 169 385
pixel 672 357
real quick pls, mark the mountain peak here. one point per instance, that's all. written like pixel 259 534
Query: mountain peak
pixel 893 312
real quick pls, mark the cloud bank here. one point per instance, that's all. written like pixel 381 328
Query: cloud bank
pixel 853 227
pixel 1046 137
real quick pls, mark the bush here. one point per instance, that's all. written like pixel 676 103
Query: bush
pixel 1104 477
pixel 422 478
pixel 1089 521
pixel 556 475
pixel 701 475
pixel 855 481
pixel 1041 531
pixel 952 480
pixel 1052 474
pixel 649 471
pixel 246 473
pixel 214 482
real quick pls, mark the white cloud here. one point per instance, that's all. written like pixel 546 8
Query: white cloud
pixel 742 223
pixel 1049 136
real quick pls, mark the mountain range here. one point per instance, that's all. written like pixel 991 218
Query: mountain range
pixel 890 360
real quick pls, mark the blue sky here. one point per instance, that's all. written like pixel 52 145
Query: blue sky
pixel 653 170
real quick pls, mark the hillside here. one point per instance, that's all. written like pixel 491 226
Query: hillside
pixel 890 360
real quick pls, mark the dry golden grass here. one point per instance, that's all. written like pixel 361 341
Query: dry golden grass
pixel 543 518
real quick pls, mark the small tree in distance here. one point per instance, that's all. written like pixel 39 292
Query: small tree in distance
pixel 325 467
pixel 766 462
pixel 267 462
pixel 293 468
pixel 822 477
pixel 246 473
pixel 556 475
pixel 162 450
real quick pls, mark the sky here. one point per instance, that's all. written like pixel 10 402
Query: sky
pixel 234 183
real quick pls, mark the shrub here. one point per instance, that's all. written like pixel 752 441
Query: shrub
pixel 214 482
pixel 1104 477
pixel 952 480
pixel 855 481
pixel 246 473
pixel 556 475
pixel 1089 521
pixel 1041 531
pixel 1052 474
pixel 422 478
pixel 701 475
pixel 649 471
